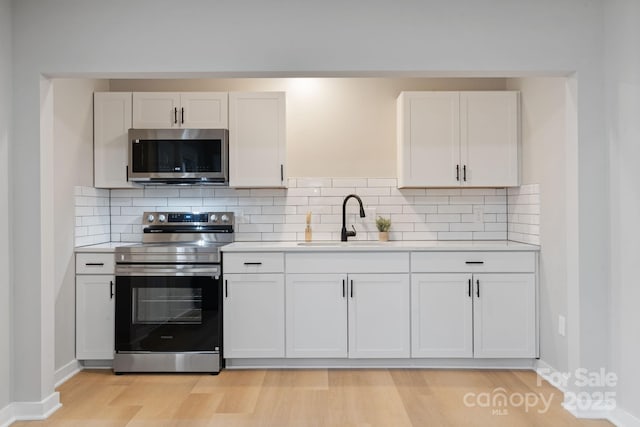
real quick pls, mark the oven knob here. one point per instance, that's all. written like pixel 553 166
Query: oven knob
pixel 214 218
pixel 162 218
pixel 150 217
pixel 225 218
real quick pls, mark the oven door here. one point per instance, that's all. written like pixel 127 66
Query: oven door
pixel 172 313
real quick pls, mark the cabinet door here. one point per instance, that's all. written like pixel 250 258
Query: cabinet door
pixel 257 139
pixel 489 138
pixel 316 315
pixel 94 317
pixel 112 120
pixel 504 314
pixel 379 316
pixel 156 110
pixel 204 110
pixel 441 315
pixel 428 139
pixel 253 315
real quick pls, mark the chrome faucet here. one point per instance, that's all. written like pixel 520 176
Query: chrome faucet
pixel 344 233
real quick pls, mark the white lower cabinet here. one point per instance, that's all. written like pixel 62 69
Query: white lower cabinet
pixel 441 315
pixel 253 314
pixel 316 315
pixel 379 316
pixel 473 315
pixel 348 315
pixel 95 305
pixel 504 315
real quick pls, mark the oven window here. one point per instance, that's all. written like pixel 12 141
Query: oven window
pixel 167 305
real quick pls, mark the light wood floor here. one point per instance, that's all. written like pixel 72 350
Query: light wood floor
pixel 279 398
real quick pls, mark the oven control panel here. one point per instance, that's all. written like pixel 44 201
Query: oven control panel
pixel 187 218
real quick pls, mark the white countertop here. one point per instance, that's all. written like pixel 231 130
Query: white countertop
pixel 102 247
pixel 351 246
pixel 360 245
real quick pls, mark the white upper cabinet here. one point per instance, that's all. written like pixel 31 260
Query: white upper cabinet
pixel 112 120
pixel 428 139
pixel 489 138
pixel 451 139
pixel 189 110
pixel 257 139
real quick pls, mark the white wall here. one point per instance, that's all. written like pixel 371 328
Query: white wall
pixel 623 135
pixel 5 241
pixel 480 37
pixel 339 127
pixel 544 160
pixel 73 156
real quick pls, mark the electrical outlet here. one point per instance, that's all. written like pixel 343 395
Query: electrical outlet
pixel 562 325
pixel 478 213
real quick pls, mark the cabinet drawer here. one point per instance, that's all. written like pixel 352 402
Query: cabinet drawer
pixel 473 262
pixel 351 262
pixel 253 262
pixel 95 263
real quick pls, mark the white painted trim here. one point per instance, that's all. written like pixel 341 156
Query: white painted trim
pixel 6 416
pixel 622 418
pixel 380 363
pixel 549 374
pixel 66 372
pixel 18 411
pixel 615 415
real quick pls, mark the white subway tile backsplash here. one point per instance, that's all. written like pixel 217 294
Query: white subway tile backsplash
pixel 444 209
pixel 341 192
pixel 523 214
pixel 466 200
pixel 295 192
pixel 407 192
pixel 382 182
pixel 254 228
pixel 92 221
pixel 349 182
pixel 432 226
pixel 443 218
pixel 280 214
pixel 489 235
pixel 431 200
pixel 467 226
pixel 187 201
pixel 161 192
pixel 313 182
pixel 451 235
pixel 420 235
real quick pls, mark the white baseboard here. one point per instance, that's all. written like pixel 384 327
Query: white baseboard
pixel 340 363
pixel 6 416
pixel 18 411
pixel 622 418
pixel 66 372
pixel 609 410
pixel 549 374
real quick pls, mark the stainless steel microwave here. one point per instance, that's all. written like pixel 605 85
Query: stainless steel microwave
pixel 179 156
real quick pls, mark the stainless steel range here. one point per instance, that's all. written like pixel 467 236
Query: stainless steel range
pixel 169 294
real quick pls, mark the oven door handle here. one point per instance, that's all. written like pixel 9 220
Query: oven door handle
pixel 166 270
